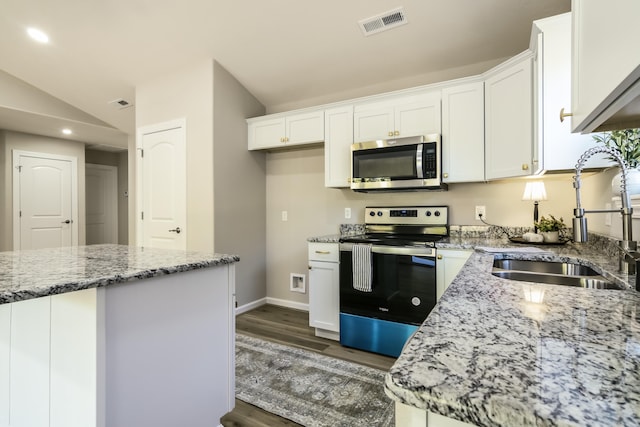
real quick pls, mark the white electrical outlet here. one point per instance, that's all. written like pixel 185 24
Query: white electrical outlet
pixel 481 210
pixel 347 213
pixel 285 216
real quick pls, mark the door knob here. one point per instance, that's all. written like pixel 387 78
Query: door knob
pixel 175 230
pixel 68 221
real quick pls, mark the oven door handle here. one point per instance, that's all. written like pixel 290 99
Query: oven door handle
pixel 394 250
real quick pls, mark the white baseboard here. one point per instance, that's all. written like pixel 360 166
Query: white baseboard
pixel 247 307
pixel 275 301
pixel 288 304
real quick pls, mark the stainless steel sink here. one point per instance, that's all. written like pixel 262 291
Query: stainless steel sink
pixel 548 267
pixel 590 282
pixel 554 273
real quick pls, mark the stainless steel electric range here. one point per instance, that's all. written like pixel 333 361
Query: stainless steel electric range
pixel 388 276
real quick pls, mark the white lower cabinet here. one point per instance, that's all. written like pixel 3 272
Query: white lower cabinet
pixel 5 355
pixel 408 416
pixel 449 262
pixel 48 361
pixel 29 363
pixel 324 289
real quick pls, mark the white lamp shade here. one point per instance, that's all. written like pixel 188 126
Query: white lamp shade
pixel 534 190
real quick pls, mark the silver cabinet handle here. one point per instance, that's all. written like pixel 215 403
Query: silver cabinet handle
pixel 175 230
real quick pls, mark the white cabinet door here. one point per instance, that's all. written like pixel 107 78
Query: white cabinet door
pixel 449 262
pixel 29 383
pixel 373 121
pixel 304 128
pixel 338 131
pixel 463 133
pixel 266 133
pixel 606 61
pixel 560 149
pixel 509 120
pixel 324 289
pixel 282 131
pixel 74 358
pixel 401 116
pixel 324 295
pixel 418 115
pixel 5 355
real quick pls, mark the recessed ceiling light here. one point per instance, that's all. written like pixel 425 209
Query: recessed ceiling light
pixel 67 131
pixel 38 35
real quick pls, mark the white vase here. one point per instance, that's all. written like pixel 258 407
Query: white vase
pixel 550 236
pixel 633 182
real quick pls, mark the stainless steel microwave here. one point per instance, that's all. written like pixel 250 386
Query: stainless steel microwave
pixel 411 163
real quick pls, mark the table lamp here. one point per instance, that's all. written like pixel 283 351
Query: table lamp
pixel 534 190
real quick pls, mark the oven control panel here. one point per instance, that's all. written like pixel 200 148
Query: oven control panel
pixel 409 215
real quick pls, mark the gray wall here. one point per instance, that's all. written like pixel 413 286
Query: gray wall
pixel 295 183
pixel 42 144
pixel 239 186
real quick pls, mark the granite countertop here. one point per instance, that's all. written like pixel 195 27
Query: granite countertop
pixel 37 273
pixel 498 352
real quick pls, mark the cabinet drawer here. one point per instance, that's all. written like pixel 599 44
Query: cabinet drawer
pixel 324 252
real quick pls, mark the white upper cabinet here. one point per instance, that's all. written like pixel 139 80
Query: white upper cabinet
pixel 463 132
pixel 278 131
pixel 338 132
pixel 606 65
pixel 400 116
pixel 558 148
pixel 509 118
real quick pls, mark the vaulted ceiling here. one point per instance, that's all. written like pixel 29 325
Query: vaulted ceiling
pixel 285 52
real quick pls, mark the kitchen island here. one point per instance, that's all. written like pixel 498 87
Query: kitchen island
pixel 111 335
pixel 498 352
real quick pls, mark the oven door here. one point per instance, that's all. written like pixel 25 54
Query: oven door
pixel 403 286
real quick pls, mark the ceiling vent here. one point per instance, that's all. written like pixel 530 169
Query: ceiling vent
pixel 120 103
pixel 384 21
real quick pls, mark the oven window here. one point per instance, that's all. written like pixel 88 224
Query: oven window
pixel 396 163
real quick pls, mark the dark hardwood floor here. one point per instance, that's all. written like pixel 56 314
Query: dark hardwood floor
pixel 289 327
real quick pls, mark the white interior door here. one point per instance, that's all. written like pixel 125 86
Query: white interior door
pixel 101 183
pixel 162 192
pixel 44 196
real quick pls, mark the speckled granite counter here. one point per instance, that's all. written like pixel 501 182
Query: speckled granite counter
pixel 497 352
pixel 36 273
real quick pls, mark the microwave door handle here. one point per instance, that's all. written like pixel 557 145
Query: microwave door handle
pixel 419 167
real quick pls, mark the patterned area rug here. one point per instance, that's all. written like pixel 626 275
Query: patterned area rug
pixel 309 388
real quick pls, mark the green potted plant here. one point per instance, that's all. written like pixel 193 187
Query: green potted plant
pixel 626 143
pixel 550 228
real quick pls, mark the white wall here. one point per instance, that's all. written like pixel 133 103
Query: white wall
pixel 225 182
pixel 42 144
pixel 295 183
pixel 187 93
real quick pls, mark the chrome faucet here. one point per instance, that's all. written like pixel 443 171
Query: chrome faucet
pixel 628 247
